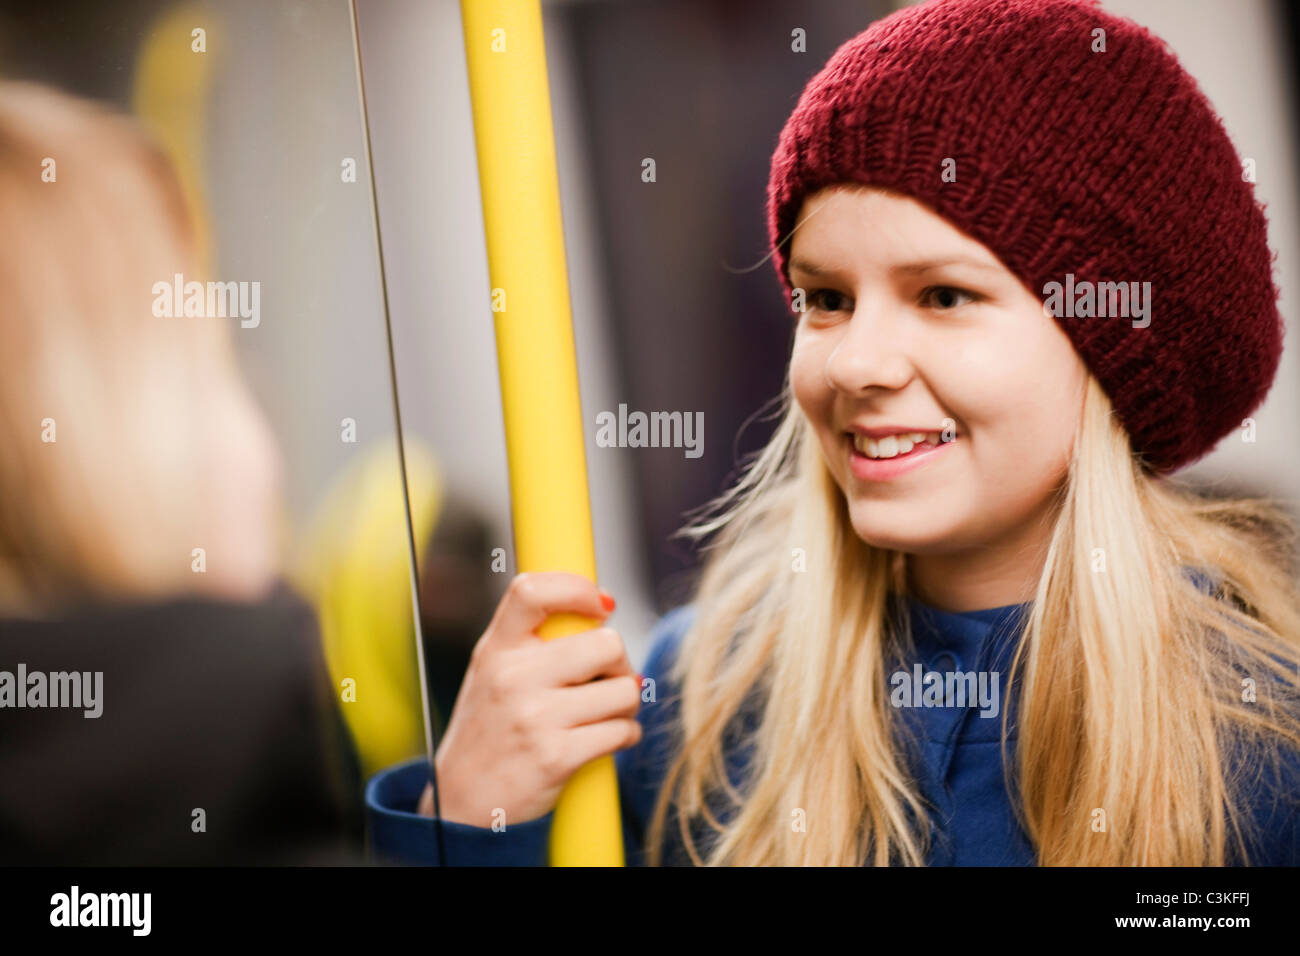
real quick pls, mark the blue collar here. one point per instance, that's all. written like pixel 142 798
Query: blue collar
pixel 970 641
pixel 971 638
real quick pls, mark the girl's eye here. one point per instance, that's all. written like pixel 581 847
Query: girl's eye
pixel 828 300
pixel 945 297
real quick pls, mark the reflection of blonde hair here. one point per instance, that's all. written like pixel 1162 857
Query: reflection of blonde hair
pixel 156 438
pixel 1130 682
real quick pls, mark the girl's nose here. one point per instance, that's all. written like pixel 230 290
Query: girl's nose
pixel 870 354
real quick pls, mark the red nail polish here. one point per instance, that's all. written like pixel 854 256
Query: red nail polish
pixel 607 600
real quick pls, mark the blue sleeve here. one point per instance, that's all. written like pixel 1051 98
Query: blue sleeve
pixel 396 833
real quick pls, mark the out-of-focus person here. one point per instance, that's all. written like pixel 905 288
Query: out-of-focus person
pixel 139 535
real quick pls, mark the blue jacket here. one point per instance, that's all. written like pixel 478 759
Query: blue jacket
pixel 954 752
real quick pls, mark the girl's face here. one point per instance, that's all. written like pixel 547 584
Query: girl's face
pixel 912 326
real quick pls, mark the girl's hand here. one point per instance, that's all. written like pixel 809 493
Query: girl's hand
pixel 530 711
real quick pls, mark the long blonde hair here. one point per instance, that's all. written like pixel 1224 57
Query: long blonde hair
pixel 1133 677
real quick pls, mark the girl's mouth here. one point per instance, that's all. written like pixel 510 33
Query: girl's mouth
pixel 883 469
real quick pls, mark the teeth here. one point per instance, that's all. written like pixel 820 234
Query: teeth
pixel 893 445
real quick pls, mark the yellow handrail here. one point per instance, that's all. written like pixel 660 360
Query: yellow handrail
pixel 535 354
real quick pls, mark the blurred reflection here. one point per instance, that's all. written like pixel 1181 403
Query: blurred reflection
pixel 459 592
pixel 358 577
pixel 213 357
pixel 162 700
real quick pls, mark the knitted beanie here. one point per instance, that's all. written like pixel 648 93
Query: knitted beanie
pixel 1077 156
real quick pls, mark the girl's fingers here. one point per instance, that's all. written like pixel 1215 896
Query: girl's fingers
pixel 534 596
pixel 601 700
pixel 584 744
pixel 582 657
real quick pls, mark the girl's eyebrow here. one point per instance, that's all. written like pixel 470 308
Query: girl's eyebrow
pixel 927 265
pixel 906 268
pixel 810 268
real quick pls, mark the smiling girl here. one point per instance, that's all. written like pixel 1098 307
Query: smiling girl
pixel 963 482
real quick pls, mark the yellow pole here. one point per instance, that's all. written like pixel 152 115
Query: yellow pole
pixel 535 354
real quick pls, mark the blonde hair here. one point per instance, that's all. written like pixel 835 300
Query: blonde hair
pixel 1132 679
pixel 149 417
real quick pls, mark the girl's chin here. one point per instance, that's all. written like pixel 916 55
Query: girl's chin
pixel 907 535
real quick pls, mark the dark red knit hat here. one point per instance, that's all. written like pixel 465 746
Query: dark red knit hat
pixel 1108 165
